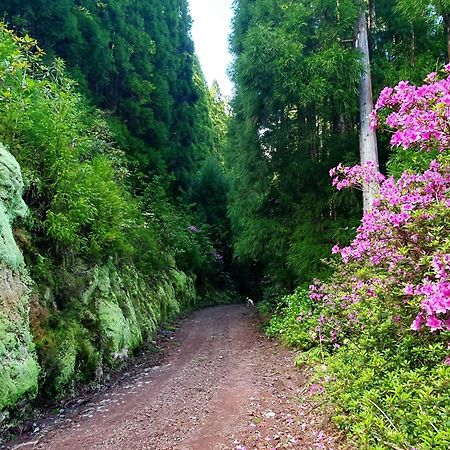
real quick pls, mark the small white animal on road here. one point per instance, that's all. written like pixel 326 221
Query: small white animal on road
pixel 250 302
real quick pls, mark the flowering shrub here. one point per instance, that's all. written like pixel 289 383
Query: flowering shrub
pixel 420 116
pixel 355 176
pixel 405 233
pixel 382 320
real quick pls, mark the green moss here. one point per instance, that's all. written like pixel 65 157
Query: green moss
pixel 68 354
pixel 65 359
pixel 11 206
pixel 18 379
pixel 117 313
pixel 129 309
pixel 118 331
pixel 118 317
pixel 19 370
pixel 90 359
pixel 184 286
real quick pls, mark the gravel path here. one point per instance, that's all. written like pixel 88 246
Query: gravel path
pixel 222 386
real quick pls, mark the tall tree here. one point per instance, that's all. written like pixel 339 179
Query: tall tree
pixel 297 82
pixel 429 9
pixel 135 59
pixel 368 140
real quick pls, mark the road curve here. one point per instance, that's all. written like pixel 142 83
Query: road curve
pixel 222 386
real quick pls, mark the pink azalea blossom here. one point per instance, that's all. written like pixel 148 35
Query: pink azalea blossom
pixel 417 323
pixel 403 234
pixel 434 323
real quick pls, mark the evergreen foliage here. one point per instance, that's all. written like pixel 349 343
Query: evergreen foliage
pixel 119 236
pixel 295 117
pixel 135 59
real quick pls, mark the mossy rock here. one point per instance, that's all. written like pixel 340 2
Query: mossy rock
pixel 18 379
pixel 11 206
pixel 19 371
pixel 117 313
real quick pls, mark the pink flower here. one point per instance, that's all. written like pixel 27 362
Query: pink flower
pixel 414 117
pixel 409 289
pixel 434 323
pixel 373 122
pixel 335 249
pixel 417 323
pixel 315 389
pixel 431 77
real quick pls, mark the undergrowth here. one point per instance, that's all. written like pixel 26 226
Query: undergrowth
pixel 389 387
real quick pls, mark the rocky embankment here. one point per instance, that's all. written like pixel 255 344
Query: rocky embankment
pixel 54 337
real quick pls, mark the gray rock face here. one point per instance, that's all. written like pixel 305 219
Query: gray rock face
pixel 11 206
pixel 121 307
pixel 18 367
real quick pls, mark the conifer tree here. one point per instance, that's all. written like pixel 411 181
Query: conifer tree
pixel 296 112
pixel 136 60
pixel 416 9
pixel 297 82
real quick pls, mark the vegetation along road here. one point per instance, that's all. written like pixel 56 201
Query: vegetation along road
pixel 222 385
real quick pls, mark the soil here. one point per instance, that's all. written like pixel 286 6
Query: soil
pixel 220 385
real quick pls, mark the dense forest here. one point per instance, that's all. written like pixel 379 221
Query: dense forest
pixel 297 74
pixel 130 191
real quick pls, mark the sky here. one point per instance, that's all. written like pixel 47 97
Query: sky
pixel 211 25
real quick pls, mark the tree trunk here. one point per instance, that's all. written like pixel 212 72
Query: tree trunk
pixel 447 23
pixel 368 140
pixel 372 15
pixel 412 52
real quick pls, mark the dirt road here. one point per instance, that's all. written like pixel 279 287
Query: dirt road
pixel 222 386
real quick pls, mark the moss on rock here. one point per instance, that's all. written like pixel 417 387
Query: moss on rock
pixel 98 316
pixel 19 370
pixel 11 206
pixel 118 311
